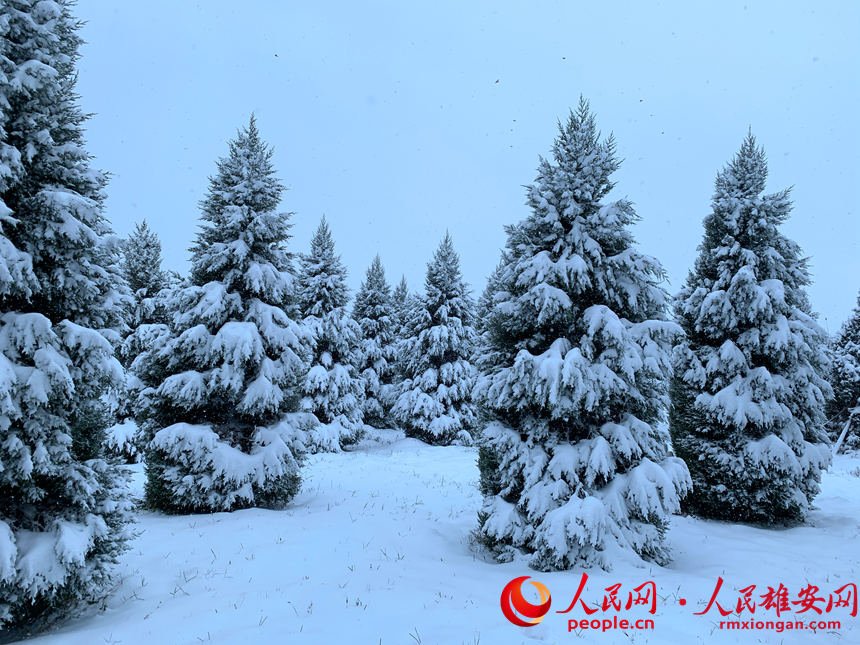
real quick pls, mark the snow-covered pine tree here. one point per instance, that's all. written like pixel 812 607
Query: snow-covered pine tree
pixel 63 508
pixel 333 389
pixel 574 361
pixel 223 376
pixel 151 313
pixel 486 301
pixel 435 403
pixel 400 304
pixel 401 301
pixel 141 268
pixel 374 312
pixel 483 309
pixel 845 379
pixel 141 262
pixel 748 394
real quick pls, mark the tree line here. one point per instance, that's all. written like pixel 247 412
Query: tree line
pixel 599 404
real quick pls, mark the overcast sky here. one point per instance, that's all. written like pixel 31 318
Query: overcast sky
pixel 398 120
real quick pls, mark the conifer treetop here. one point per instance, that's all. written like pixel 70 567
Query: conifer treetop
pixel 402 289
pixel 242 241
pixel 585 160
pixel 323 276
pixel 572 251
pixel 746 174
pixel 445 291
pixel 850 329
pixel 373 299
pixel 746 264
pixel 142 259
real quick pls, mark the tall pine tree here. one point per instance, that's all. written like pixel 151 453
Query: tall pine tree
pixel 63 507
pixel 845 378
pixel 333 389
pixel 141 264
pixel 748 394
pixel 141 268
pixel 435 404
pixel 486 301
pixel 222 378
pixel 401 302
pixel 374 313
pixel 576 351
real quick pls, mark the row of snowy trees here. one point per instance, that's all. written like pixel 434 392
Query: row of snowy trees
pixel 242 368
pixel 233 372
pixel 598 402
pixel 581 363
pixel 582 367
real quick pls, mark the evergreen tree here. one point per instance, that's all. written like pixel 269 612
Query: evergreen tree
pixel 141 268
pixel 574 359
pixel 400 305
pixel 141 264
pixel 486 301
pixel 150 320
pixel 63 508
pixel 401 302
pixel 374 313
pixel 435 404
pixel 222 376
pixel 845 379
pixel 333 389
pixel 748 395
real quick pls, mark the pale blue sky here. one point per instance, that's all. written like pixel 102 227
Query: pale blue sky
pixel 401 119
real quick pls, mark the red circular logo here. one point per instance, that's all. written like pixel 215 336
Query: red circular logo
pixel 512 600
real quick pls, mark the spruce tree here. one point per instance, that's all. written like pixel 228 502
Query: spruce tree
pixel 225 373
pixel 575 354
pixel 63 508
pixel 141 268
pixel 333 389
pixel 845 379
pixel 486 301
pixel 748 394
pixel 401 302
pixel 374 313
pixel 141 264
pixel 435 404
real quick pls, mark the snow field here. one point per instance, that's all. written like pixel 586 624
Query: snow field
pixel 375 549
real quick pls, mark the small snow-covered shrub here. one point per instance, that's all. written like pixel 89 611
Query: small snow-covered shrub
pixel 193 470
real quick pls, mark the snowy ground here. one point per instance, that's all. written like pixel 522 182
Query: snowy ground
pixel 375 550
